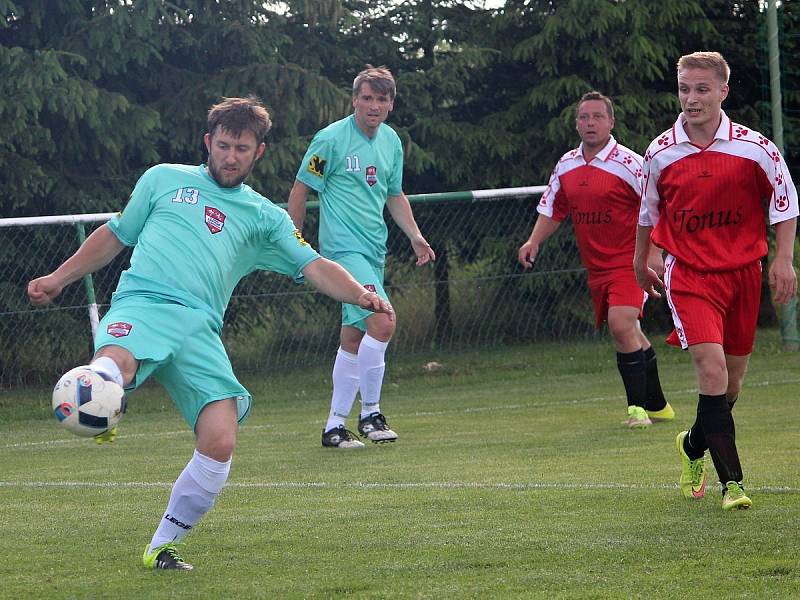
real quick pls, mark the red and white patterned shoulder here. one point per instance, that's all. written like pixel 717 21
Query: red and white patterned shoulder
pixel 662 142
pixel 570 155
pixel 746 134
pixel 626 156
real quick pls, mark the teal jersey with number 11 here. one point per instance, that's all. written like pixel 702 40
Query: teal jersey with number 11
pixel 353 175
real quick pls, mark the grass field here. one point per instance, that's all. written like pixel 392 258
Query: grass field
pixel 512 478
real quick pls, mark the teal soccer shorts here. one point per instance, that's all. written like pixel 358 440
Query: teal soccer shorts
pixel 180 347
pixel 367 274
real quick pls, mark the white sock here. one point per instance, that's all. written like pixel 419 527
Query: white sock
pixel 370 371
pixel 193 495
pixel 105 365
pixel 345 388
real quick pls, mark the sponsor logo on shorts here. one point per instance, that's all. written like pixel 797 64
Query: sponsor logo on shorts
pixel 215 219
pixel 119 330
pixel 371 173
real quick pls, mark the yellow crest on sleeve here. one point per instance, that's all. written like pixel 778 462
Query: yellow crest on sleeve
pixel 316 166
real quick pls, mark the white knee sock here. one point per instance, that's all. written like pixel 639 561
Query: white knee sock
pixel 345 388
pixel 193 495
pixel 371 366
pixel 105 365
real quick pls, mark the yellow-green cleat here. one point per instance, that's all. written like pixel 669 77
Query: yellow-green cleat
pixel 693 472
pixel 665 414
pixel 734 498
pixel 164 557
pixel 637 418
pixel 107 437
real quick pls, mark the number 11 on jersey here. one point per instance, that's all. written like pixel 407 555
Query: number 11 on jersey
pixel 353 164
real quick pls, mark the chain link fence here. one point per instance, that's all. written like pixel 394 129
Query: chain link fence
pixel 475 295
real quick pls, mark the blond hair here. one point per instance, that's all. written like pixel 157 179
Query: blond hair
pixel 712 61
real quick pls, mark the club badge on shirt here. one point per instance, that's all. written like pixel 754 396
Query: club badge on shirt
pixel 371 173
pixel 215 219
pixel 119 329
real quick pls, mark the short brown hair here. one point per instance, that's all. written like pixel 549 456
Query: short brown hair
pixel 595 95
pixel 237 115
pixel 380 79
pixel 706 60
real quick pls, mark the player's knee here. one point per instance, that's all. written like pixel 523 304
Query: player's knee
pixel 712 373
pixel 220 448
pixel 216 429
pixel 380 327
pixel 625 334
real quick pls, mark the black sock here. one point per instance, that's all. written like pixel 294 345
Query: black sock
pixel 632 368
pixel 655 395
pixel 720 432
pixel 694 444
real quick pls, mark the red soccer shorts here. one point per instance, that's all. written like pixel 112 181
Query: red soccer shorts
pixel 718 307
pixel 617 287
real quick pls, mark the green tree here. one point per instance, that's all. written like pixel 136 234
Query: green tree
pixel 97 91
pixel 68 141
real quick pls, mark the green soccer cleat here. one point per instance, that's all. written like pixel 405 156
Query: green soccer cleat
pixel 637 418
pixel 693 472
pixel 107 437
pixel 665 414
pixel 734 498
pixel 164 557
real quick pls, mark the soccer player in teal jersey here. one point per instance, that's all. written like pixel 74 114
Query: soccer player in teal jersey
pixel 196 231
pixel 355 165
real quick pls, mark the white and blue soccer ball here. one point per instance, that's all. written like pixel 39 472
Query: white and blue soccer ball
pixel 87 403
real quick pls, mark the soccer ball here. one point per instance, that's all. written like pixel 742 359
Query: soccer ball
pixel 86 403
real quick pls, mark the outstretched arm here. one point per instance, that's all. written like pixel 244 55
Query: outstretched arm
pixel 333 280
pixel 296 206
pixel 400 209
pixel 543 229
pixel 96 252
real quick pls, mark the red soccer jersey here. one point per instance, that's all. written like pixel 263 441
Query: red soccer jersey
pixel 707 204
pixel 602 198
